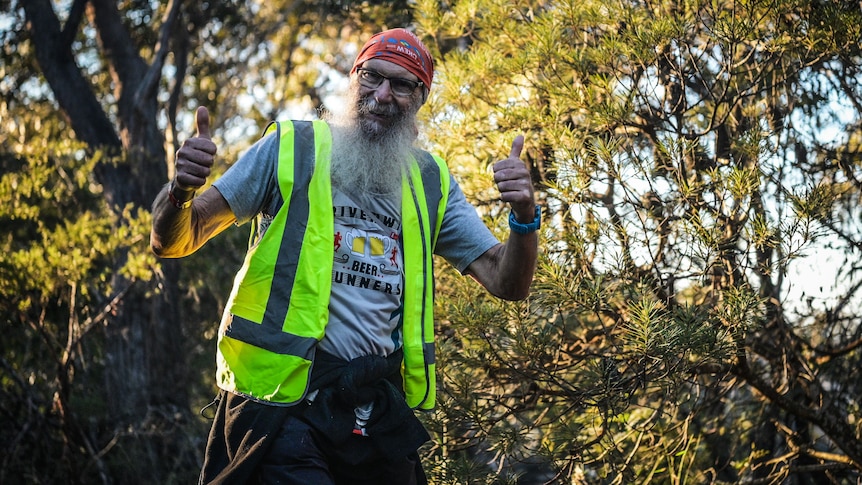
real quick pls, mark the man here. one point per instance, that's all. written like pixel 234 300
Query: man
pixel 326 344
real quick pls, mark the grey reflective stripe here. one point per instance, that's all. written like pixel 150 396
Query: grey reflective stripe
pixel 269 334
pixel 430 357
pixel 433 192
pixel 270 338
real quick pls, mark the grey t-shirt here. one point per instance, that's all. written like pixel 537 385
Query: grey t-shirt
pixel 366 300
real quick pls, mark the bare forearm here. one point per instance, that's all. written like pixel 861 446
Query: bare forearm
pixel 507 270
pixel 171 235
pixel 179 232
pixel 518 265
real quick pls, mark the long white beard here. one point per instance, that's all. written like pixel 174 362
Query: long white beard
pixel 368 162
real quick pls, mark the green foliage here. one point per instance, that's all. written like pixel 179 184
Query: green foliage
pixel 45 251
pixel 56 265
pixel 108 353
pixel 679 152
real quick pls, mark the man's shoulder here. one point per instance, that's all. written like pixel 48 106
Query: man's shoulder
pixel 291 125
pixel 429 159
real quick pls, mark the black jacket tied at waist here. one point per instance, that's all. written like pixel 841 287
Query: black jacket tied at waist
pixel 392 430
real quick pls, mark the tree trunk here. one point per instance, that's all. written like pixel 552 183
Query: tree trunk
pixel 145 359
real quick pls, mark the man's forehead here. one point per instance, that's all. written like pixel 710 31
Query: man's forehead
pixel 389 69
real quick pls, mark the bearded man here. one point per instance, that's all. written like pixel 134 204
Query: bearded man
pixel 326 346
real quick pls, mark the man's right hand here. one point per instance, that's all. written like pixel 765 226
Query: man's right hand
pixel 195 158
pixel 177 232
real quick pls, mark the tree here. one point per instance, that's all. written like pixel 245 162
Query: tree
pixel 690 156
pixel 133 395
pixel 105 341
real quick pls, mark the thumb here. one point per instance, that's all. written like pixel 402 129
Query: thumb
pixel 202 123
pixel 517 146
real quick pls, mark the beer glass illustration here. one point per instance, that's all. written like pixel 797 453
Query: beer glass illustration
pixel 369 245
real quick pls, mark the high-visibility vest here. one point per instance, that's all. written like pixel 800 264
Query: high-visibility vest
pixel 279 306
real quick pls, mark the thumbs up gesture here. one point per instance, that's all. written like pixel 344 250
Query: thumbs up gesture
pixel 513 180
pixel 195 158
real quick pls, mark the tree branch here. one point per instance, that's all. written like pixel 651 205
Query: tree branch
pixel 70 88
pixel 147 89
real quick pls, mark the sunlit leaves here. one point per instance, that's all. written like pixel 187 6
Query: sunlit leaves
pixel 59 234
pixel 689 153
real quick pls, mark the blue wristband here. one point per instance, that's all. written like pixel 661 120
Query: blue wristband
pixel 519 228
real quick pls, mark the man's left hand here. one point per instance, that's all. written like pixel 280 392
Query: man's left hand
pixel 513 180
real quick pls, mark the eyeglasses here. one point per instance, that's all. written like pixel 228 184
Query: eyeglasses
pixel 400 87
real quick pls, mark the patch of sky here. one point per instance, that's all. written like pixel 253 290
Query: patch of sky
pixel 6 22
pixel 814 280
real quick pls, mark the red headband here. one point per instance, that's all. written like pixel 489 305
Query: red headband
pixel 401 47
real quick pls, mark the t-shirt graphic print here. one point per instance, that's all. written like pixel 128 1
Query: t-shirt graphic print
pixel 365 305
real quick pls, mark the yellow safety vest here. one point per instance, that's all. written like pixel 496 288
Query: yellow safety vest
pixel 279 306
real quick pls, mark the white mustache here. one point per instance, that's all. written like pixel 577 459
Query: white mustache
pixel 370 105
